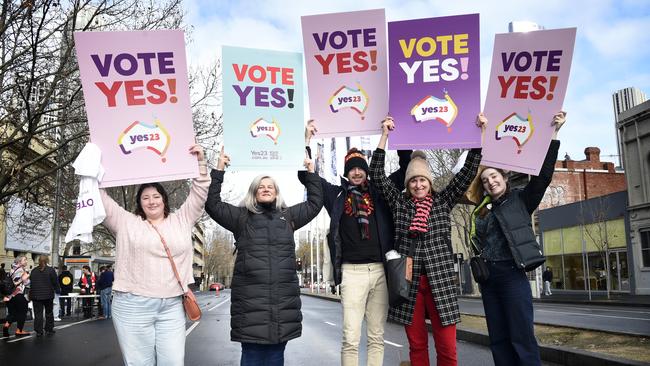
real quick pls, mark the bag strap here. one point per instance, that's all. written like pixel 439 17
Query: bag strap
pixel 472 232
pixel 169 255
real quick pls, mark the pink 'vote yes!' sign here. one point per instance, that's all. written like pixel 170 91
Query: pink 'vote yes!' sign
pixel 137 99
pixel 528 82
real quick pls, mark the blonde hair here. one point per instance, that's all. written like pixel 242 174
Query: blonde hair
pixel 250 202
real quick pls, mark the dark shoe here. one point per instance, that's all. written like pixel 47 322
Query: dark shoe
pixel 5 331
pixel 50 332
pixel 39 334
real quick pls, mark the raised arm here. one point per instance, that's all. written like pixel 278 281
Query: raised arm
pixel 386 187
pixel 398 176
pixel 462 180
pixel 536 187
pixel 192 209
pixel 222 213
pixel 114 212
pixel 303 213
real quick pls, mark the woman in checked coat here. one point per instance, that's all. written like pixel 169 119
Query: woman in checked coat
pixel 422 215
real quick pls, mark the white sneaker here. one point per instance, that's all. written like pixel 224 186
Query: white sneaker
pixel 57 319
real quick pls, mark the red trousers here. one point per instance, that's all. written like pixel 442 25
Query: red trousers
pixel 418 335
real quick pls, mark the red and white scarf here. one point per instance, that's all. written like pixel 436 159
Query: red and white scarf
pixel 419 221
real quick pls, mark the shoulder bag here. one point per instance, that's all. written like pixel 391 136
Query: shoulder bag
pixel 192 309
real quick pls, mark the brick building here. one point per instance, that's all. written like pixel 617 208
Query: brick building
pixel 578 180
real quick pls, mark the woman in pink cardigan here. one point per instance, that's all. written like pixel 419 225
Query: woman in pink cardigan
pixel 147 309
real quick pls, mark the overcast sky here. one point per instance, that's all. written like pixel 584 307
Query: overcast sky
pixel 611 50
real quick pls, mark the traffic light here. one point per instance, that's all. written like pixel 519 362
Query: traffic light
pixel 299 265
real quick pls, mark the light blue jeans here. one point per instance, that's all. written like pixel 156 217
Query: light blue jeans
pixel 105 295
pixel 150 331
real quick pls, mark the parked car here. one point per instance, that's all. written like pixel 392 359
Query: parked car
pixel 215 286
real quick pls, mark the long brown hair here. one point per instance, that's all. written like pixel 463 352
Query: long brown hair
pixel 43 260
pixel 484 210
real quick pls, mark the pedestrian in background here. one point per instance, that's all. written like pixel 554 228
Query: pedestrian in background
pixel 44 284
pixel 88 285
pixel 502 231
pixel 265 306
pixel 547 277
pixel 147 308
pixel 65 283
pixel 105 288
pixel 17 304
pixel 422 221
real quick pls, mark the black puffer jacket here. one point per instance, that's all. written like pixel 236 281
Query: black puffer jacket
pixel 265 306
pixel 43 283
pixel 513 213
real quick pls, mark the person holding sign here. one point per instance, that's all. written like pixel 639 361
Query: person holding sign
pixel 361 233
pixel 265 307
pixel 147 308
pixel 421 219
pixel 502 231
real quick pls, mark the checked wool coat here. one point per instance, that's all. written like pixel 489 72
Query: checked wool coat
pixel 433 247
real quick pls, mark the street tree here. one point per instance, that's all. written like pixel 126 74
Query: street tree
pixel 42 112
pixel 594 218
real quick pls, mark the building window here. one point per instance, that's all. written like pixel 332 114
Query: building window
pixel 574 272
pixel 645 247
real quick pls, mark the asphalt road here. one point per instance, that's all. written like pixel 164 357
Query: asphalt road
pixel 208 342
pixel 630 320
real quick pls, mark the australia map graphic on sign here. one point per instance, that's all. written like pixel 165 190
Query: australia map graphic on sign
pixel 140 135
pixel 443 110
pixel 346 97
pixel 262 127
pixel 520 129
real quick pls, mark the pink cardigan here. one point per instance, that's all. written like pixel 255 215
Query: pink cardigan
pixel 141 265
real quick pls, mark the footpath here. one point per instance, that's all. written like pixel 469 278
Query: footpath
pixel 555 354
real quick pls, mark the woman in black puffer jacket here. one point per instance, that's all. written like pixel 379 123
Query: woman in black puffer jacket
pixel 502 232
pixel 265 306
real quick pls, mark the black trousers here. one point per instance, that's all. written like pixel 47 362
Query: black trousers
pixel 87 304
pixel 39 307
pixel 17 307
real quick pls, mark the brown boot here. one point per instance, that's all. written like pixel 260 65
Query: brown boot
pixel 20 332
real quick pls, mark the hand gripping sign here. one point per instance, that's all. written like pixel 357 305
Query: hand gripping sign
pixel 517 127
pixel 140 135
pixel 346 97
pixel 262 127
pixel 432 108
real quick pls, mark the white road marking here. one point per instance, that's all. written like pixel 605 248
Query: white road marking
pixel 22 338
pixel 190 329
pixel 598 315
pixel 219 304
pixel 332 324
pixel 393 344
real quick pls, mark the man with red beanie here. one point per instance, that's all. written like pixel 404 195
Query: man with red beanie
pixel 361 232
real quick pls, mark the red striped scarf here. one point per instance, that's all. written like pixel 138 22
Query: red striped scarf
pixel 422 209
